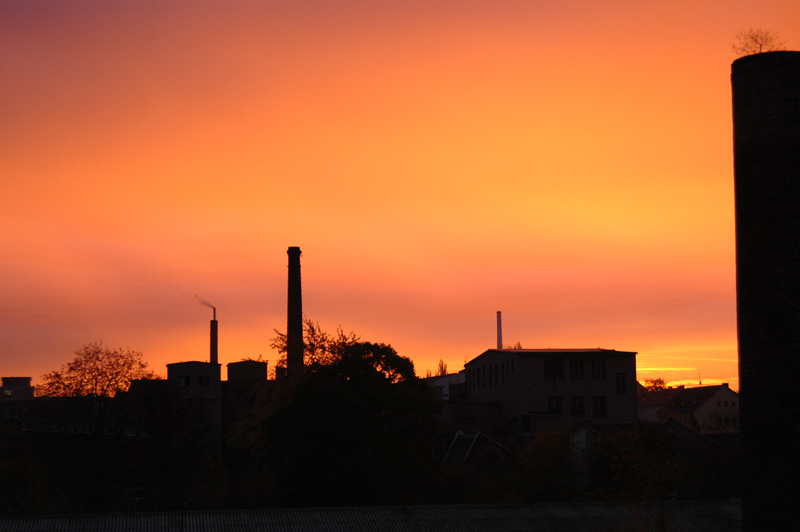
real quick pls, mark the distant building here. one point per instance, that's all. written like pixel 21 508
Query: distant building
pixel 565 386
pixel 650 402
pixel 707 409
pixel 445 384
pixel 195 379
pixel 247 371
pixel 200 387
pixel 16 394
pixel 16 388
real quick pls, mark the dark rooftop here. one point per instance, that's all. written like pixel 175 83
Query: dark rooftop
pixel 691 399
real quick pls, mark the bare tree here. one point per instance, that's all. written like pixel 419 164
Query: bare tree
pixel 96 371
pixel 757 41
pixel 442 369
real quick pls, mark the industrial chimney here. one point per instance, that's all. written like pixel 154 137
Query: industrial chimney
pixel 499 331
pixel 766 146
pixel 294 325
pixel 213 358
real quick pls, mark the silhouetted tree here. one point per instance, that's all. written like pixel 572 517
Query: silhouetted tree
pixel 359 430
pixel 84 420
pixel 756 41
pixel 320 347
pixel 653 385
pixel 96 371
pixel 442 369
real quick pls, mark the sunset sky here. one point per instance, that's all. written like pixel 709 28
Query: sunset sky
pixel 567 163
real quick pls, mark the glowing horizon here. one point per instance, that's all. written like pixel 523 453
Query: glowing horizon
pixel 569 164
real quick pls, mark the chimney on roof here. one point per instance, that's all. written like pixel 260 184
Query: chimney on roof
pixel 294 325
pixel 499 331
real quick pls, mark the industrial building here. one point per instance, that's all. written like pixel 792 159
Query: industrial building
pixel 564 386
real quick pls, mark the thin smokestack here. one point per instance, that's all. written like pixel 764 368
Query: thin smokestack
pixel 294 325
pixel 213 358
pixel 499 331
pixel 213 351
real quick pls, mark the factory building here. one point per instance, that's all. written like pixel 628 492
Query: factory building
pixel 562 386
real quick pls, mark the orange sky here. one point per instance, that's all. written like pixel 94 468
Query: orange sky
pixel 568 163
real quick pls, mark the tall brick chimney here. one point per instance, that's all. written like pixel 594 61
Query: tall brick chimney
pixel 294 326
pixel 766 142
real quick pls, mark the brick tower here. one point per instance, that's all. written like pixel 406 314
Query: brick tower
pixel 294 325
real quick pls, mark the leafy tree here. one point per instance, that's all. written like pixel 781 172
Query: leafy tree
pixel 654 385
pixel 321 348
pixel 96 371
pixel 87 419
pixel 359 429
pixel 757 41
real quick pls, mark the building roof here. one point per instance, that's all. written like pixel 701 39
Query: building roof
pixel 468 448
pixel 556 351
pixel 691 399
pixel 680 516
pixel 656 398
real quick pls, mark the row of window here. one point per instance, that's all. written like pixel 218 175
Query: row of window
pixel 495 374
pixel 203 381
pixel 490 375
pixel 554 369
pixel 733 403
pixel 577 406
pixel 730 421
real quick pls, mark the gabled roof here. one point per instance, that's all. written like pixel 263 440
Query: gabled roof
pixel 467 448
pixel 691 399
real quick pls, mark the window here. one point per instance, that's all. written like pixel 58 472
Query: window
pixel 554 406
pixel 512 366
pixel 621 384
pixel 553 369
pixel 204 381
pixel 503 373
pixel 184 382
pixel 576 370
pixel 733 403
pixel 726 404
pixel 599 406
pixel 496 375
pixel 578 404
pixel 490 375
pixel 599 370
pixel 483 376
